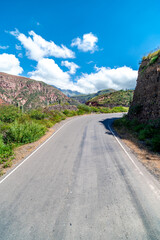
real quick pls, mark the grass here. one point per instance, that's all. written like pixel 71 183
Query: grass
pixel 148 133
pixel 18 128
pixel 152 58
pixel 151 55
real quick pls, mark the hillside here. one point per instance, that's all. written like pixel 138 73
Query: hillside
pixel 29 93
pixel 146 101
pixel 112 99
pixel 83 98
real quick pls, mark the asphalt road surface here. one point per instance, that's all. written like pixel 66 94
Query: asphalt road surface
pixel 81 184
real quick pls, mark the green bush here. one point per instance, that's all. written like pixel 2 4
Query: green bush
pixel 69 113
pixel 84 108
pixel 26 132
pixel 5 151
pixel 155 143
pixel 147 132
pixel 37 114
pixel 9 113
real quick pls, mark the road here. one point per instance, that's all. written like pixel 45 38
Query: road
pixel 81 184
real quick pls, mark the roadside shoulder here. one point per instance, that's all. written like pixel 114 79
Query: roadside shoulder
pixel 149 159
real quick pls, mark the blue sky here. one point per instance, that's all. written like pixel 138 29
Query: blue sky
pixel 78 45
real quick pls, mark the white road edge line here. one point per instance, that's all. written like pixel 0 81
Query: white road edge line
pixel 34 152
pixel 157 192
pixel 125 151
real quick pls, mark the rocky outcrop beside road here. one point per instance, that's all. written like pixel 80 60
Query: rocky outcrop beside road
pixel 146 100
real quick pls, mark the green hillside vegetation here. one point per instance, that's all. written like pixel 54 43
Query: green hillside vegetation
pixel 118 98
pixel 18 128
pixel 83 98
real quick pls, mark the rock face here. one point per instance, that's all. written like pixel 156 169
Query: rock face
pixel 146 100
pixel 28 92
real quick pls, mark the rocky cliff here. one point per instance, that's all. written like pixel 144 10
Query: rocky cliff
pixel 146 100
pixel 28 92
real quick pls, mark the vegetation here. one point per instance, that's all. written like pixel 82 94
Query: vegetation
pixel 151 59
pixel 148 133
pixel 29 93
pixel 17 128
pixel 118 98
pixel 83 98
pixel 151 55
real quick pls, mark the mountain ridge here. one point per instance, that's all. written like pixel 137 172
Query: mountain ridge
pixel 28 92
pixel 83 98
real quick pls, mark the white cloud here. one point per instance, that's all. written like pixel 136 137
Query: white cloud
pixel 4 47
pixel 20 55
pixel 103 78
pixel 119 78
pixel 18 47
pixel 71 66
pixel 38 48
pixel 87 43
pixel 48 71
pixel 10 64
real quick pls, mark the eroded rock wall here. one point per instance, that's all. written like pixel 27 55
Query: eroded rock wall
pixel 146 100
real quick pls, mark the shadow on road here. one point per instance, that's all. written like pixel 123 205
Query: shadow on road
pixel 108 122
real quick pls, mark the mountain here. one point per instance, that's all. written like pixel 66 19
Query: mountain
pixel 29 93
pixel 112 99
pixel 83 98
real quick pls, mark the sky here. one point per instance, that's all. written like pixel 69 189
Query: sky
pixel 81 45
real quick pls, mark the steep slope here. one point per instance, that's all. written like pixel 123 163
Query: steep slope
pixel 29 93
pixel 118 98
pixel 146 101
pixel 83 98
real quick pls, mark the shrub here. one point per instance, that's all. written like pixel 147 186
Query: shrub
pixel 9 113
pixel 37 114
pixel 155 143
pixel 84 108
pixel 147 132
pixel 5 151
pixel 26 132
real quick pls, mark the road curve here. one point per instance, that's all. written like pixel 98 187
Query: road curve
pixel 81 184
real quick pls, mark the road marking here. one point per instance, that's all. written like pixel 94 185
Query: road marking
pixel 34 152
pixel 157 192
pixel 125 151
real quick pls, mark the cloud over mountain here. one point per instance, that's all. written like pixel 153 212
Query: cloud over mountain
pixel 10 64
pixel 49 71
pixel 116 78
